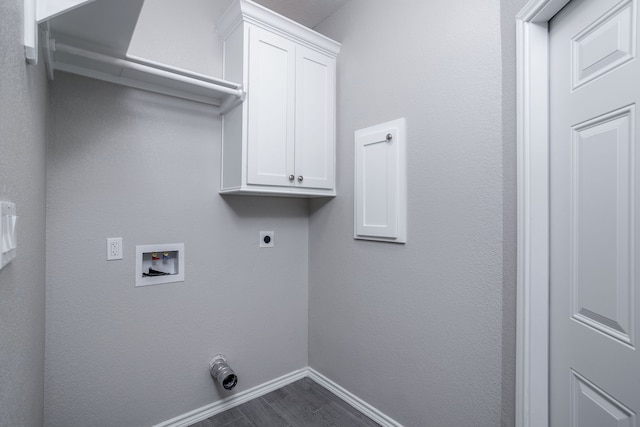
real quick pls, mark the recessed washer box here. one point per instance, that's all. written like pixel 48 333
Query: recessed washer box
pixel 158 264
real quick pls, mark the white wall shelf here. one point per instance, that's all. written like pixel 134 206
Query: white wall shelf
pixel 76 40
pixel 142 74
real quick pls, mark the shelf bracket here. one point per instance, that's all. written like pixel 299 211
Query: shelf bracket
pixel 232 102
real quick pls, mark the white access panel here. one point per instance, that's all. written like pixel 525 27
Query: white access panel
pixel 380 211
pixel 8 237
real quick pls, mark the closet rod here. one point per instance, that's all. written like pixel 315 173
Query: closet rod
pixel 61 47
pixel 182 71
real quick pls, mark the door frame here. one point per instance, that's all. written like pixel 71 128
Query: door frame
pixel 532 342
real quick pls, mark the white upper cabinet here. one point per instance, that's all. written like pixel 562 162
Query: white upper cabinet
pixel 281 140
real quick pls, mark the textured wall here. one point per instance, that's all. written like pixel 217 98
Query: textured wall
pixel 416 329
pixel 22 180
pixel 145 167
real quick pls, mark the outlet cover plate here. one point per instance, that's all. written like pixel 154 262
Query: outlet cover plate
pixel 114 248
pixel 267 239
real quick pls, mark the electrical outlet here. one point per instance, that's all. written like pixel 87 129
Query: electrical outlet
pixel 267 239
pixel 114 248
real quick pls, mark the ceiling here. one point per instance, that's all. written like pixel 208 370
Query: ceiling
pixel 307 12
pixel 111 23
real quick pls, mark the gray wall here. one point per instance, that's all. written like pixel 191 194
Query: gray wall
pixel 416 329
pixel 145 167
pixel 22 180
pixel 422 331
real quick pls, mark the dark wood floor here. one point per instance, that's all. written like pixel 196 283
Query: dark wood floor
pixel 300 404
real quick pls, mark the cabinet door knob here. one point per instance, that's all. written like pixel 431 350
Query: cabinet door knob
pixel 300 178
pixel 291 177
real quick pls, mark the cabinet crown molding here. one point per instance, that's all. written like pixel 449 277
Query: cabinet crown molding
pixel 247 11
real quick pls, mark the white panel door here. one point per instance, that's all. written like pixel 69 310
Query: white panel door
pixel 271 98
pixel 315 119
pixel 595 85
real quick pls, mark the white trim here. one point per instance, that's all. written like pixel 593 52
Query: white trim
pixel 222 405
pixel 353 400
pixel 532 352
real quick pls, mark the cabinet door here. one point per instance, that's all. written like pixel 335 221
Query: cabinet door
pixel 271 99
pixel 315 119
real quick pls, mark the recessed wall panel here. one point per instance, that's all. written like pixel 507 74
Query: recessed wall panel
pixel 375 209
pixel 604 45
pixel 273 116
pixel 602 203
pixel 313 104
pixel 591 406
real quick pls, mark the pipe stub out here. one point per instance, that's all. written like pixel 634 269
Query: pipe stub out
pixel 222 372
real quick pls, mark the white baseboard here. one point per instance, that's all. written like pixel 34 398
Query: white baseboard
pixel 222 405
pixel 353 400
